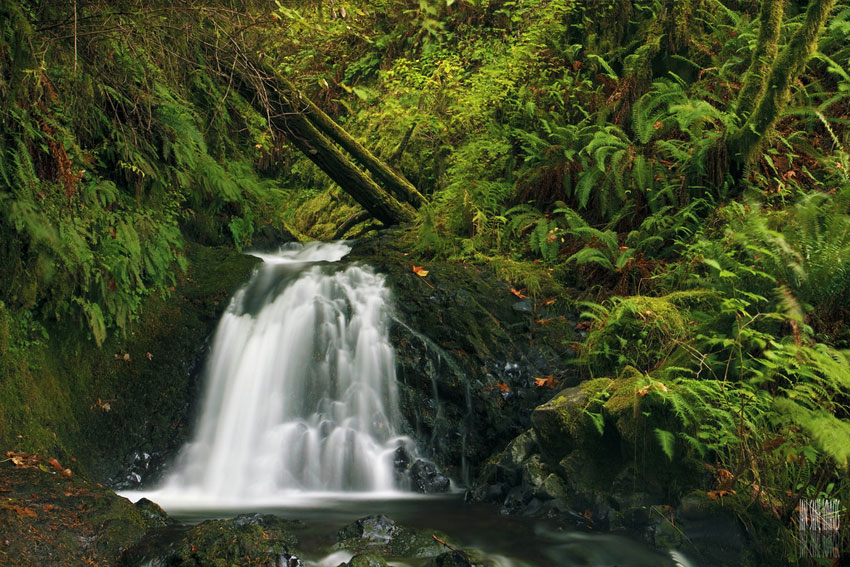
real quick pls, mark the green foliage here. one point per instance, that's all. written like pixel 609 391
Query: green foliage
pixel 109 152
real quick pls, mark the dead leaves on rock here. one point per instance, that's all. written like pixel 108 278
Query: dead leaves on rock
pixel 33 461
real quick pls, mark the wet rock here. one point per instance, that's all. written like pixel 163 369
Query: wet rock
pixel 373 528
pixel 706 530
pixel 151 511
pixel 381 536
pixel 271 237
pixel 453 558
pixel 517 500
pixel 366 560
pixel 248 540
pixel 426 479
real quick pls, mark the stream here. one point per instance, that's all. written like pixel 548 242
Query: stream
pixel 299 418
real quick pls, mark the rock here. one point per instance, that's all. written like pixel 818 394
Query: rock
pixel 245 541
pixel 426 479
pixel 561 422
pixel 534 473
pixel 151 511
pixel 380 535
pixel 454 558
pixel 516 501
pixel 366 560
pixel 553 488
pixel 373 528
pixel 522 447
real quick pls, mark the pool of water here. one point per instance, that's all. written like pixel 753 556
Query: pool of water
pixel 508 541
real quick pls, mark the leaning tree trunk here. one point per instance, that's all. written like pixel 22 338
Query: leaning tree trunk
pixel 789 65
pixel 391 180
pixel 269 94
pixel 767 46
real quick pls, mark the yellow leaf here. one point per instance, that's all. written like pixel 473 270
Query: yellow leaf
pixel 419 271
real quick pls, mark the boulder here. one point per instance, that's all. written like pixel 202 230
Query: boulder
pixel 245 541
pixel 426 479
pixel 381 536
pixel 563 422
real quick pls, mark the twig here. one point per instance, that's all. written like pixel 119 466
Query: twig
pixel 438 540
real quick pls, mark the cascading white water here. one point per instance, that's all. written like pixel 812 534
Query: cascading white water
pixel 300 392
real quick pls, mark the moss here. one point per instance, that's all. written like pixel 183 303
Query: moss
pixel 563 423
pixel 643 331
pixel 63 396
pixel 320 217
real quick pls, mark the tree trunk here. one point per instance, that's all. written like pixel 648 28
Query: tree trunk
pixel 394 182
pixel 269 95
pixel 767 46
pixel 787 68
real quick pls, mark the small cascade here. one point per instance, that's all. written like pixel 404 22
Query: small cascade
pixel 300 387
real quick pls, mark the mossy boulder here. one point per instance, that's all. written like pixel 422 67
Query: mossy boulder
pixel 380 536
pixel 50 518
pixel 245 541
pixel 564 422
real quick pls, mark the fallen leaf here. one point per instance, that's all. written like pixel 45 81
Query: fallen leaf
pixel 54 463
pixel 544 321
pixel 127 357
pixel 657 385
pixel 548 302
pixel 149 356
pixel 548 381
pixel 716 494
pixel 518 293
pixel 17 461
pixel 419 271
pixel 501 386
pixel 67 472
pixel 23 512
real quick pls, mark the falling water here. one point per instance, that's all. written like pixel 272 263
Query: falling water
pixel 300 386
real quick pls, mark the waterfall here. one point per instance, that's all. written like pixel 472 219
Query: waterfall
pixel 300 391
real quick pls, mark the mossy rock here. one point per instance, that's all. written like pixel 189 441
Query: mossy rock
pixel 50 518
pixel 366 560
pixel 245 541
pixel 562 423
pixel 381 536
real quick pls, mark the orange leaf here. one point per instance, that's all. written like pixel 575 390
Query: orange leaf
pixel 544 321
pixel 519 293
pixel 547 302
pixel 548 380
pixel 54 463
pixel 715 494
pixel 419 271
pixel 23 512
pixel 67 472
pixel 501 386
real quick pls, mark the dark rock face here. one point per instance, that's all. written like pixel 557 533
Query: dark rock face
pixel 424 478
pixel 248 540
pixel 467 354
